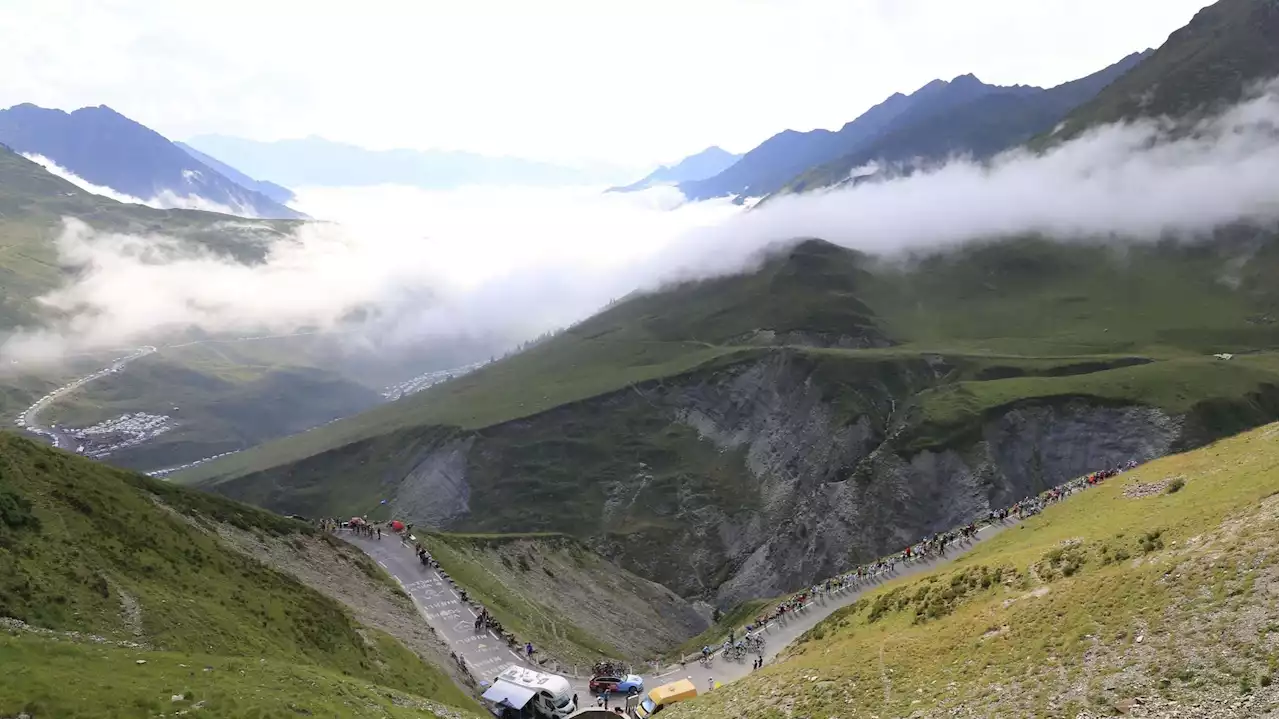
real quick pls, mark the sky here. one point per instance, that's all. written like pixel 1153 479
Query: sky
pixel 569 81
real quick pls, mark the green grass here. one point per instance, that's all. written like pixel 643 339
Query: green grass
pixel 1025 298
pixel 1100 598
pixel 529 619
pixel 73 679
pixel 225 402
pixel 586 429
pixel 79 539
pixel 735 620
pixel 31 210
pixel 1235 391
pixel 545 377
pixel 1204 65
pixel 572 603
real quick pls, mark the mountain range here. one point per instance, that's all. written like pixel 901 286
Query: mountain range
pixel 315 161
pixel 108 149
pixel 766 168
pixel 277 193
pixel 708 163
pixel 664 472
pixel 743 436
pixel 975 125
pixel 963 116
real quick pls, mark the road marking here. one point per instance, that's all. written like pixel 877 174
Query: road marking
pixel 384 564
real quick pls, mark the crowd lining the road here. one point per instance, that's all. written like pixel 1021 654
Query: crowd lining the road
pixel 926 549
pixel 930 547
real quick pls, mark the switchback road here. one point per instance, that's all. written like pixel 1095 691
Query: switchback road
pixel 486 655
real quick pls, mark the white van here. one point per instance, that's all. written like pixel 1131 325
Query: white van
pixel 526 693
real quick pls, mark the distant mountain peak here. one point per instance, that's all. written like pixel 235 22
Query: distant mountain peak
pixel 707 163
pixel 106 148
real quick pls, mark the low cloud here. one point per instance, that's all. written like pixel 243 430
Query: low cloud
pixel 1137 181
pixel 403 264
pixel 164 200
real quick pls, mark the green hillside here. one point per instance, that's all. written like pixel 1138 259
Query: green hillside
pixel 1208 64
pixel 228 396
pixel 233 394
pixel 737 437
pixel 1151 595
pixel 1027 297
pixel 87 551
pixel 33 203
pixel 570 602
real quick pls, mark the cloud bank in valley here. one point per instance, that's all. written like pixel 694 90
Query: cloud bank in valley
pixel 413 264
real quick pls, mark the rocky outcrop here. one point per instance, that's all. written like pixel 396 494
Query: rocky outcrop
pixel 436 491
pixel 757 478
pixel 899 499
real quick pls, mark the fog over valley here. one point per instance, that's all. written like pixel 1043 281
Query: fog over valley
pixel 512 262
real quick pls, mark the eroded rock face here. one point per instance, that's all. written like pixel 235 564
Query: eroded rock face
pixel 436 491
pixel 902 499
pixel 821 481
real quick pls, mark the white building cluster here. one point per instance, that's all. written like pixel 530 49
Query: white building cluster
pixel 27 420
pixel 427 379
pixel 112 435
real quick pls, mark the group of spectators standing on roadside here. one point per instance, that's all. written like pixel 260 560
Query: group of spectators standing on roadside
pixel 934 545
pixel 356 525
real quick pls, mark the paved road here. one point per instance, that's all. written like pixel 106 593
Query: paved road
pixel 30 417
pixel 486 655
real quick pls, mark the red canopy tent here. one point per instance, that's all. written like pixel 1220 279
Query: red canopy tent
pixel 397 525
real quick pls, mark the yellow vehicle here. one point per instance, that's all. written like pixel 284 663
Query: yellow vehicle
pixel 664 696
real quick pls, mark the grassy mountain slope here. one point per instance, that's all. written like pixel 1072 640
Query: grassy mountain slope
pixel 225 401
pixel 1158 586
pixel 741 436
pixel 1028 297
pixel 234 393
pixel 92 550
pixel 1206 64
pixel 807 297
pixel 570 602
pixel 979 128
pixel 33 203
pixel 774 448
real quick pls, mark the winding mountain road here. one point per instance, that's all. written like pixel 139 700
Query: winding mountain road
pixel 30 417
pixel 485 654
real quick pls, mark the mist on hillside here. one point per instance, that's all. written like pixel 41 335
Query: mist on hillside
pixel 165 200
pixel 404 264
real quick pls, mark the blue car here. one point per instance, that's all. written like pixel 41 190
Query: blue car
pixel 628 684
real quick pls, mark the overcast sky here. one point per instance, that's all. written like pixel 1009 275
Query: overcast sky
pixel 629 82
